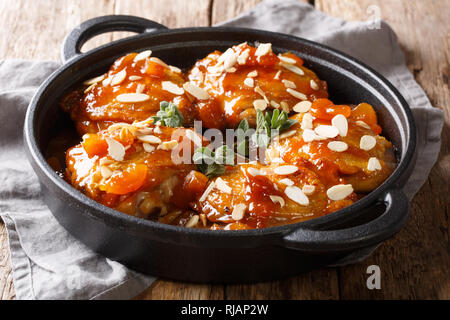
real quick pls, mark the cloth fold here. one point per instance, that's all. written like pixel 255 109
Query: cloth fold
pixel 48 263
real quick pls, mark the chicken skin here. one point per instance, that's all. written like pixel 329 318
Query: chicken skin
pixel 131 90
pixel 245 78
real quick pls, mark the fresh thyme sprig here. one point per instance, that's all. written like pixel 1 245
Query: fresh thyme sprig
pixel 168 115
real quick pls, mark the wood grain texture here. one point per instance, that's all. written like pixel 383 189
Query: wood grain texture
pixel 414 264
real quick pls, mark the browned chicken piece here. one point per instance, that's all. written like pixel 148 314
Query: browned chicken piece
pixel 245 78
pixel 131 90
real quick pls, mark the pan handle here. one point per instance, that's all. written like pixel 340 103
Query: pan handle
pixel 90 28
pixel 365 235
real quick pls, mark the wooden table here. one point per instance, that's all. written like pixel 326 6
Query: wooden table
pixel 414 264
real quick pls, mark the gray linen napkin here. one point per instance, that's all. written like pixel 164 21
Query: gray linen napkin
pixel 49 264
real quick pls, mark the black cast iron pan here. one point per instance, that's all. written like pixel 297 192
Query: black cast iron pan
pixel 219 256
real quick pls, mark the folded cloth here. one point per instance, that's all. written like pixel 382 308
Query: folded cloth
pixel 48 263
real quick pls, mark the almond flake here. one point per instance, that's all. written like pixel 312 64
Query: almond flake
pixel 260 104
pixel 289 84
pixel 277 75
pixel 242 59
pixel 134 78
pixel 308 189
pixel 296 194
pixel 106 82
pixel 285 106
pixel 285 170
pixel 287 134
pixel 326 131
pixel 88 89
pixel 115 149
pixel 340 122
pixel 159 61
pixel 175 69
pixel 148 147
pixel 192 221
pixel 229 52
pixel 252 74
pixel 307 121
pixel 313 85
pixel 287 182
pixel 105 172
pixel 238 211
pixel 339 191
pixel 142 55
pixel 286 59
pixel 197 92
pixel 94 80
pixel 253 171
pixel 367 142
pixel 249 82
pixel 373 164
pixel 309 135
pixel 223 186
pixel 297 94
pixel 230 60
pixel 157 129
pixel 292 68
pixel 362 124
pixel 263 49
pixel 338 146
pixel 277 199
pixel 132 97
pixel 171 87
pixel 194 137
pixel 118 78
pixel 148 138
pixel 140 88
pixel 168 145
pixel 207 191
pixel 274 104
pixel 302 106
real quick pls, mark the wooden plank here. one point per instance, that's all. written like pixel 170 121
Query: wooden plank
pixel 415 264
pixel 170 290
pixel 321 284
pixel 6 281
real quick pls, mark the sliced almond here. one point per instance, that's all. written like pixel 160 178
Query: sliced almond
pixel 293 68
pixel 192 222
pixel 148 147
pixel 142 55
pixel 285 170
pixel 263 49
pixel 253 171
pixel 297 94
pixel 286 59
pixel 249 82
pixel 118 78
pixel 223 186
pixel 277 75
pixel 367 142
pixel 159 61
pixel 88 89
pixel 326 131
pixel 373 164
pixel 274 104
pixel 313 85
pixel 340 122
pixel 94 80
pixel 287 182
pixel 308 189
pixel 285 106
pixel 175 69
pixel 157 129
pixel 115 149
pixel 194 137
pixel 197 92
pixel 238 211
pixel 337 146
pixel 339 192
pixel 309 135
pixel 289 84
pixel 132 97
pixel 140 88
pixel 260 104
pixel 277 199
pixel 105 172
pixel 230 60
pixel 242 59
pixel 171 87
pixel 168 145
pixel 106 82
pixel 252 74
pixel 307 121
pixel 302 106
pixel 148 138
pixel 207 191
pixel 296 194
pixel 362 124
pixel 134 78
pixel 287 134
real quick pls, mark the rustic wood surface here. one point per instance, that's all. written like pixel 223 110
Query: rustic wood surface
pixel 414 264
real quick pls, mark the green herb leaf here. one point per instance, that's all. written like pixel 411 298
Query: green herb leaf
pixel 168 115
pixel 269 125
pixel 213 163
